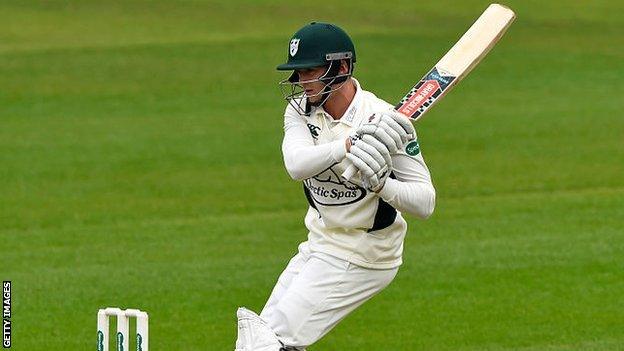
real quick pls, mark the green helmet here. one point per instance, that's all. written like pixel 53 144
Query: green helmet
pixel 318 44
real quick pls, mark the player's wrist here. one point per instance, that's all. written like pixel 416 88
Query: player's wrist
pixel 388 190
pixel 338 150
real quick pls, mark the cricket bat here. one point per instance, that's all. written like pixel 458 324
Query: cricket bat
pixel 454 66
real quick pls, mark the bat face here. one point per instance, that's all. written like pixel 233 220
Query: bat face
pixel 424 94
pixel 455 65
pixel 458 61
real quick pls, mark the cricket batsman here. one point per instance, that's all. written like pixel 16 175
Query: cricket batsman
pixel 355 228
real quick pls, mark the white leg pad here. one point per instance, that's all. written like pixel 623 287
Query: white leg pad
pixel 254 334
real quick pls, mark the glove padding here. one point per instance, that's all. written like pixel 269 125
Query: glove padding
pixel 393 129
pixel 372 158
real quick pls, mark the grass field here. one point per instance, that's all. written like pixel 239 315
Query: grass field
pixel 140 166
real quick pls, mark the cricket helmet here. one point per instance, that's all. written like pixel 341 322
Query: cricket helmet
pixel 318 44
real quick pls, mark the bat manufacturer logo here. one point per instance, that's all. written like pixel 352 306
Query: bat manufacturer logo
pixel 424 94
pixel 420 97
pixel 294 46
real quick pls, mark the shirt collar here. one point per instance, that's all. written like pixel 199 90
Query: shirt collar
pixel 349 116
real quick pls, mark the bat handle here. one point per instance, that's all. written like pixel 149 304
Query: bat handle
pixel 349 172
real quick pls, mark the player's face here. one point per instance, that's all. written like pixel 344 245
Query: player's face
pixel 312 89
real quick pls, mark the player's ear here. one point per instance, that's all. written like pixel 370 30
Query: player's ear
pixel 344 67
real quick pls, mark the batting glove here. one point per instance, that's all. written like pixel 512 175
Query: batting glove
pixel 391 128
pixel 372 158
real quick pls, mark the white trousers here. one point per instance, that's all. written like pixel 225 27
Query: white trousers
pixel 315 292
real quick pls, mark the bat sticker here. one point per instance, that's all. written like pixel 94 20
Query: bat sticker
pixel 424 93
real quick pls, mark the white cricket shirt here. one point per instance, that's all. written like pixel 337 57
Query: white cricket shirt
pixel 345 220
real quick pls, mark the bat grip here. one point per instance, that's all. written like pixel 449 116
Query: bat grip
pixel 349 172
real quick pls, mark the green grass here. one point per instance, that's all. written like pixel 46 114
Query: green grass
pixel 140 166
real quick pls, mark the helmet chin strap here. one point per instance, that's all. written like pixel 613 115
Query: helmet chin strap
pixel 324 97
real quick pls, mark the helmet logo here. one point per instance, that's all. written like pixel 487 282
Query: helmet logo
pixel 294 46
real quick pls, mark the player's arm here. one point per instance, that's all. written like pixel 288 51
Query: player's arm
pixel 302 158
pixel 412 191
